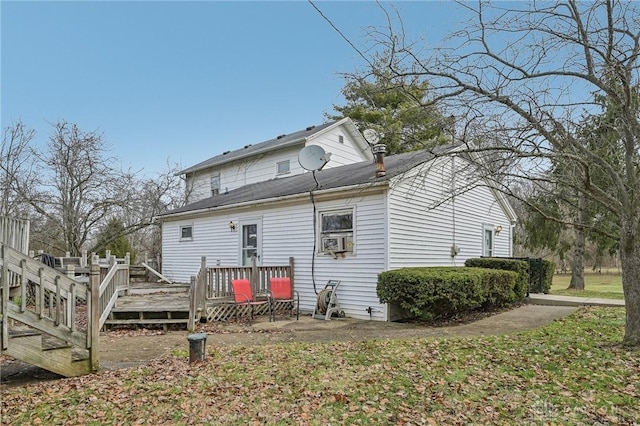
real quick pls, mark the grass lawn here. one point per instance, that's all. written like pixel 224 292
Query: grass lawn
pixel 608 286
pixel 572 371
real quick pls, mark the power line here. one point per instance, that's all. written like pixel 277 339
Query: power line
pixel 353 46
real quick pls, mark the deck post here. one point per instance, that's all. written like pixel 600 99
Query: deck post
pixel 191 326
pixel 4 282
pixel 291 273
pixel 93 328
pixel 202 287
pixel 254 278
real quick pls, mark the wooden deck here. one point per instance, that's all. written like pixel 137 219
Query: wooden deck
pixel 159 308
pixel 168 305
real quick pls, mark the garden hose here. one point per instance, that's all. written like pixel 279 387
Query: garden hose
pixel 324 297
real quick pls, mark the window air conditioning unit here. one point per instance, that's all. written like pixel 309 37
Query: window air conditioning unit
pixel 334 244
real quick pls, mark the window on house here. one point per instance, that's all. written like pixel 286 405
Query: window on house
pixel 186 232
pixel 283 167
pixel 487 241
pixel 336 231
pixel 215 184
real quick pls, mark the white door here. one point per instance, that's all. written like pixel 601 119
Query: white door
pixel 250 241
pixel 487 244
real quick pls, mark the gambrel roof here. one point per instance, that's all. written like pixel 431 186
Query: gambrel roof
pixel 282 141
pixel 361 173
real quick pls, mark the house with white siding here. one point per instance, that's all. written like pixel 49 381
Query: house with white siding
pixel 274 158
pixel 345 223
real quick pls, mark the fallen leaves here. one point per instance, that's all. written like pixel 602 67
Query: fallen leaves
pixel 556 375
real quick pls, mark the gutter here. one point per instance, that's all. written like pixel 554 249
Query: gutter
pixel 359 187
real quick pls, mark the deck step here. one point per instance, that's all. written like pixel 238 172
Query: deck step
pixel 156 288
pixel 17 332
pixel 148 321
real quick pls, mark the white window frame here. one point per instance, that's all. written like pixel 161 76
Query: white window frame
pixel 488 251
pixel 348 235
pixel 279 163
pixel 257 221
pixel 182 228
pixel 215 189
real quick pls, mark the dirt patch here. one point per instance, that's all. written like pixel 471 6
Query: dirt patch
pixel 129 348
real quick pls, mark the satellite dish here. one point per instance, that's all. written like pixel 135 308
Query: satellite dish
pixel 313 157
pixel 371 136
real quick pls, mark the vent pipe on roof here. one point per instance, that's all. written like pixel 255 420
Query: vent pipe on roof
pixel 379 151
pixel 281 136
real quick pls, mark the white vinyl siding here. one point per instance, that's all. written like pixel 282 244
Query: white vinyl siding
pixel 414 223
pixel 287 230
pixel 425 222
pixel 342 153
pixel 263 167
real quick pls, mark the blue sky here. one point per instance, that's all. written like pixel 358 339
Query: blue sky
pixel 180 82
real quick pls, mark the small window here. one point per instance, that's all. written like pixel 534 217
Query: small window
pixel 340 221
pixel 341 139
pixel 186 232
pixel 336 231
pixel 215 184
pixel 283 167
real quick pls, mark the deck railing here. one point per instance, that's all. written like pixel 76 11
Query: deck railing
pixel 111 277
pixel 15 233
pixel 45 300
pixel 214 282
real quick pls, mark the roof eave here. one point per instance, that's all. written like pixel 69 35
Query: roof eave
pixel 320 192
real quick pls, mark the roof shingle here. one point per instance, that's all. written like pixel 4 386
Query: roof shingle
pixel 361 173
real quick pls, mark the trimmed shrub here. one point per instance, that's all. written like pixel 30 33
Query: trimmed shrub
pixel 441 292
pixel 521 267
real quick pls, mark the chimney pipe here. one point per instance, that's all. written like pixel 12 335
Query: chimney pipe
pixel 379 150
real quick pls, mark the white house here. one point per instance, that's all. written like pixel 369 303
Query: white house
pixel 344 223
pixel 275 158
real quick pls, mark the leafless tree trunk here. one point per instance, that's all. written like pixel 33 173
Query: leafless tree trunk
pixel 577 268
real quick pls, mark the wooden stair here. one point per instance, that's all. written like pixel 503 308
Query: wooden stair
pixel 47 352
pixel 151 304
pixel 39 308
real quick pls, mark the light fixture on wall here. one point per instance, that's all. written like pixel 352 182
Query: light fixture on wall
pixel 232 226
pixel 498 229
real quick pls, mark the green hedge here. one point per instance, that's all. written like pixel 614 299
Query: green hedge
pixel 521 267
pixel 430 293
pixel 548 269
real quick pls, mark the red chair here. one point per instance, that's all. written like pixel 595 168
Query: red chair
pixel 282 293
pixel 243 297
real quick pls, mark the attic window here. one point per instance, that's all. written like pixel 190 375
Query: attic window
pixel 283 167
pixel 341 139
pixel 215 184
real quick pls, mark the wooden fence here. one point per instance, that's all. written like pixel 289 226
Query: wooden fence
pixel 212 285
pixel 15 233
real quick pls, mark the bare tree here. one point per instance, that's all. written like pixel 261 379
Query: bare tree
pixel 16 168
pixel 153 196
pixel 521 77
pixel 79 186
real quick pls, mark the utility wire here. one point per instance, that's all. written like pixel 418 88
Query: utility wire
pixel 353 46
